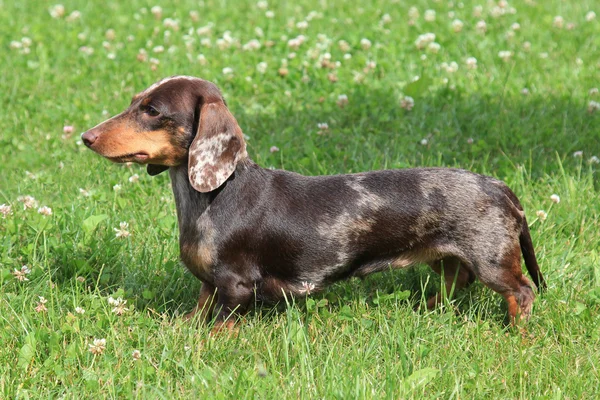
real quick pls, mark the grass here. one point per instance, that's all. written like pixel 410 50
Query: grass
pixel 359 339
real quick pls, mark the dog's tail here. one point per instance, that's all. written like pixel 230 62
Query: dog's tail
pixel 529 256
pixel 527 245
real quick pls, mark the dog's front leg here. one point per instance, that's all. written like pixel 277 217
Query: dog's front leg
pixel 206 303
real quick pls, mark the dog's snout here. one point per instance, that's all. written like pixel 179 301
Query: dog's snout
pixel 89 138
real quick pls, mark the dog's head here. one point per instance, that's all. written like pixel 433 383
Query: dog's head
pixel 175 120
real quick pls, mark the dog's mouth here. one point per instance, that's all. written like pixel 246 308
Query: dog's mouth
pixel 140 157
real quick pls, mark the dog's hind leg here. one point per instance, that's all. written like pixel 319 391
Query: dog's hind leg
pixel 456 277
pixel 507 278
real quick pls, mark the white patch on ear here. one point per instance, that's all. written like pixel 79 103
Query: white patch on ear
pixel 211 167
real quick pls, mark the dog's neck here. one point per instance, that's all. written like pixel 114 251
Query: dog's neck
pixel 190 203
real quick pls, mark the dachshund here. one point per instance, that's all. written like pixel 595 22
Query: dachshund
pixel 251 233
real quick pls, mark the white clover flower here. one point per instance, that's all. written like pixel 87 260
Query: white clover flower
pixel 578 154
pixel 253 44
pixel 365 43
pixel 471 63
pixel 555 198
pixel 204 30
pixel 158 49
pixel 5 210
pixel 156 11
pixel 496 12
pixel 342 100
pixel 413 13
pixel 429 15
pixel 135 178
pixel 28 202
pixel 118 305
pixel 97 347
pixel 424 39
pixel 306 288
pixel 122 231
pixel 434 47
pixel 263 5
pixel 594 160
pixel 505 55
pixel 45 211
pixel 323 126
pixel 542 215
pixel 30 175
pixel 525 91
pixel 41 305
pixel 270 14
pixel 451 67
pixel 274 149
pixel 302 25
pixel 407 103
pixel 84 192
pixel 296 42
pixel 481 26
pixel 117 187
pixel 593 91
pixel 110 34
pixel 57 11
pixel 261 67
pixel 386 19
pixel 558 22
pixel 593 106
pixel 344 46
pixel 424 142
pixel 457 25
pixel 171 23
pixel 470 141
pixel 201 58
pixel 21 274
pixel 79 310
pixel 136 355
pixel 590 16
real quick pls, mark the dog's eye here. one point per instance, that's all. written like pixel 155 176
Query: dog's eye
pixel 151 111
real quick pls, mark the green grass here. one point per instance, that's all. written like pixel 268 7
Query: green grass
pixel 359 339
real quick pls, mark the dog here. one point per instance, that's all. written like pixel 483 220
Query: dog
pixel 253 233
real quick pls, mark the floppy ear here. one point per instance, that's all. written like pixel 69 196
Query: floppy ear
pixel 153 169
pixel 216 149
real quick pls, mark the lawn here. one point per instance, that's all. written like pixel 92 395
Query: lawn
pixel 91 289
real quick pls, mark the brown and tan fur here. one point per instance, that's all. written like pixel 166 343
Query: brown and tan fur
pixel 248 232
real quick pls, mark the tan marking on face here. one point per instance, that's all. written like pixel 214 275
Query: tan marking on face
pixel 119 142
pixel 146 101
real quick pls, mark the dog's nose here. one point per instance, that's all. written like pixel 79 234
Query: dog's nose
pixel 89 138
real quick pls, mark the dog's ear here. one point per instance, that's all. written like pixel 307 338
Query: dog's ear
pixel 153 169
pixel 216 149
